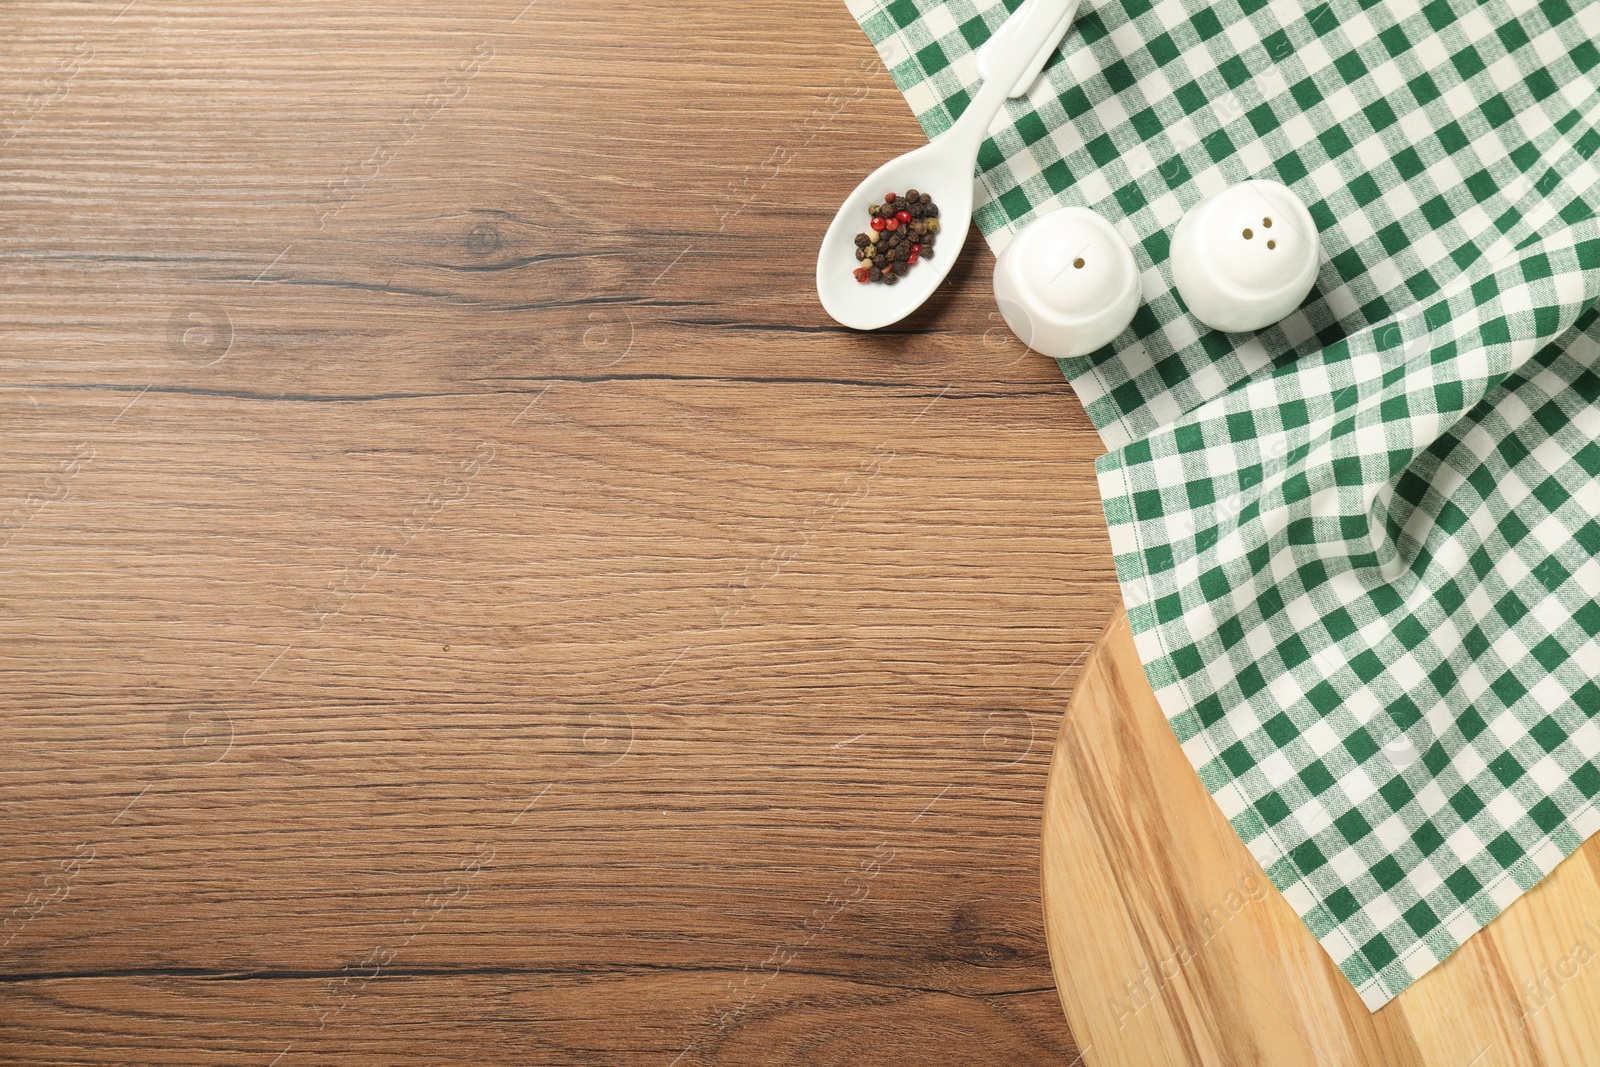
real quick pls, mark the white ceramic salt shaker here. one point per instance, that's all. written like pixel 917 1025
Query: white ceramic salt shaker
pixel 1246 257
pixel 1067 283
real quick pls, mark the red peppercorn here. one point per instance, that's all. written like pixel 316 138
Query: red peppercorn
pixel 891 225
pixel 861 274
pixel 912 258
pixel 903 216
pixel 915 248
pixel 888 198
pixel 879 223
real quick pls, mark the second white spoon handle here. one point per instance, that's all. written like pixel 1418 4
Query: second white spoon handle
pixel 1031 75
pixel 1008 63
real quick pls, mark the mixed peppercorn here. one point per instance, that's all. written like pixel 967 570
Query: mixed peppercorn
pixel 903 231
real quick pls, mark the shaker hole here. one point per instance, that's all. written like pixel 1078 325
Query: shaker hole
pixel 1267 223
pixel 1272 244
pixel 1248 235
pixel 1078 263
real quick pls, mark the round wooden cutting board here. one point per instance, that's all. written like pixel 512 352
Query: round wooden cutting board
pixel 1171 947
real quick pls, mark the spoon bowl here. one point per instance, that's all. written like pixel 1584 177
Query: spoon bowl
pixel 873 305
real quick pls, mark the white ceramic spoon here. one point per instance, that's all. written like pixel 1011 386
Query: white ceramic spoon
pixel 943 168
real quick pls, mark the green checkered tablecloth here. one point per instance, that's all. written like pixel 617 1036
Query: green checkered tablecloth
pixel 1359 548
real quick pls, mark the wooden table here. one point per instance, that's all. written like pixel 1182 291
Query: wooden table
pixel 461 600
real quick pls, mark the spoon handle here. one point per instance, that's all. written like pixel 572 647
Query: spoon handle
pixel 1033 23
pixel 1046 50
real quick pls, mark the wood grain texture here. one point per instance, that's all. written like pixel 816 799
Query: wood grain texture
pixel 1170 944
pixel 461 600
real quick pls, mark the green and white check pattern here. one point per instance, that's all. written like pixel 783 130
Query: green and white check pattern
pixel 1360 549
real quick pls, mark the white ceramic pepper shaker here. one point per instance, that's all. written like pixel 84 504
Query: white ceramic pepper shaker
pixel 1246 257
pixel 1067 283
